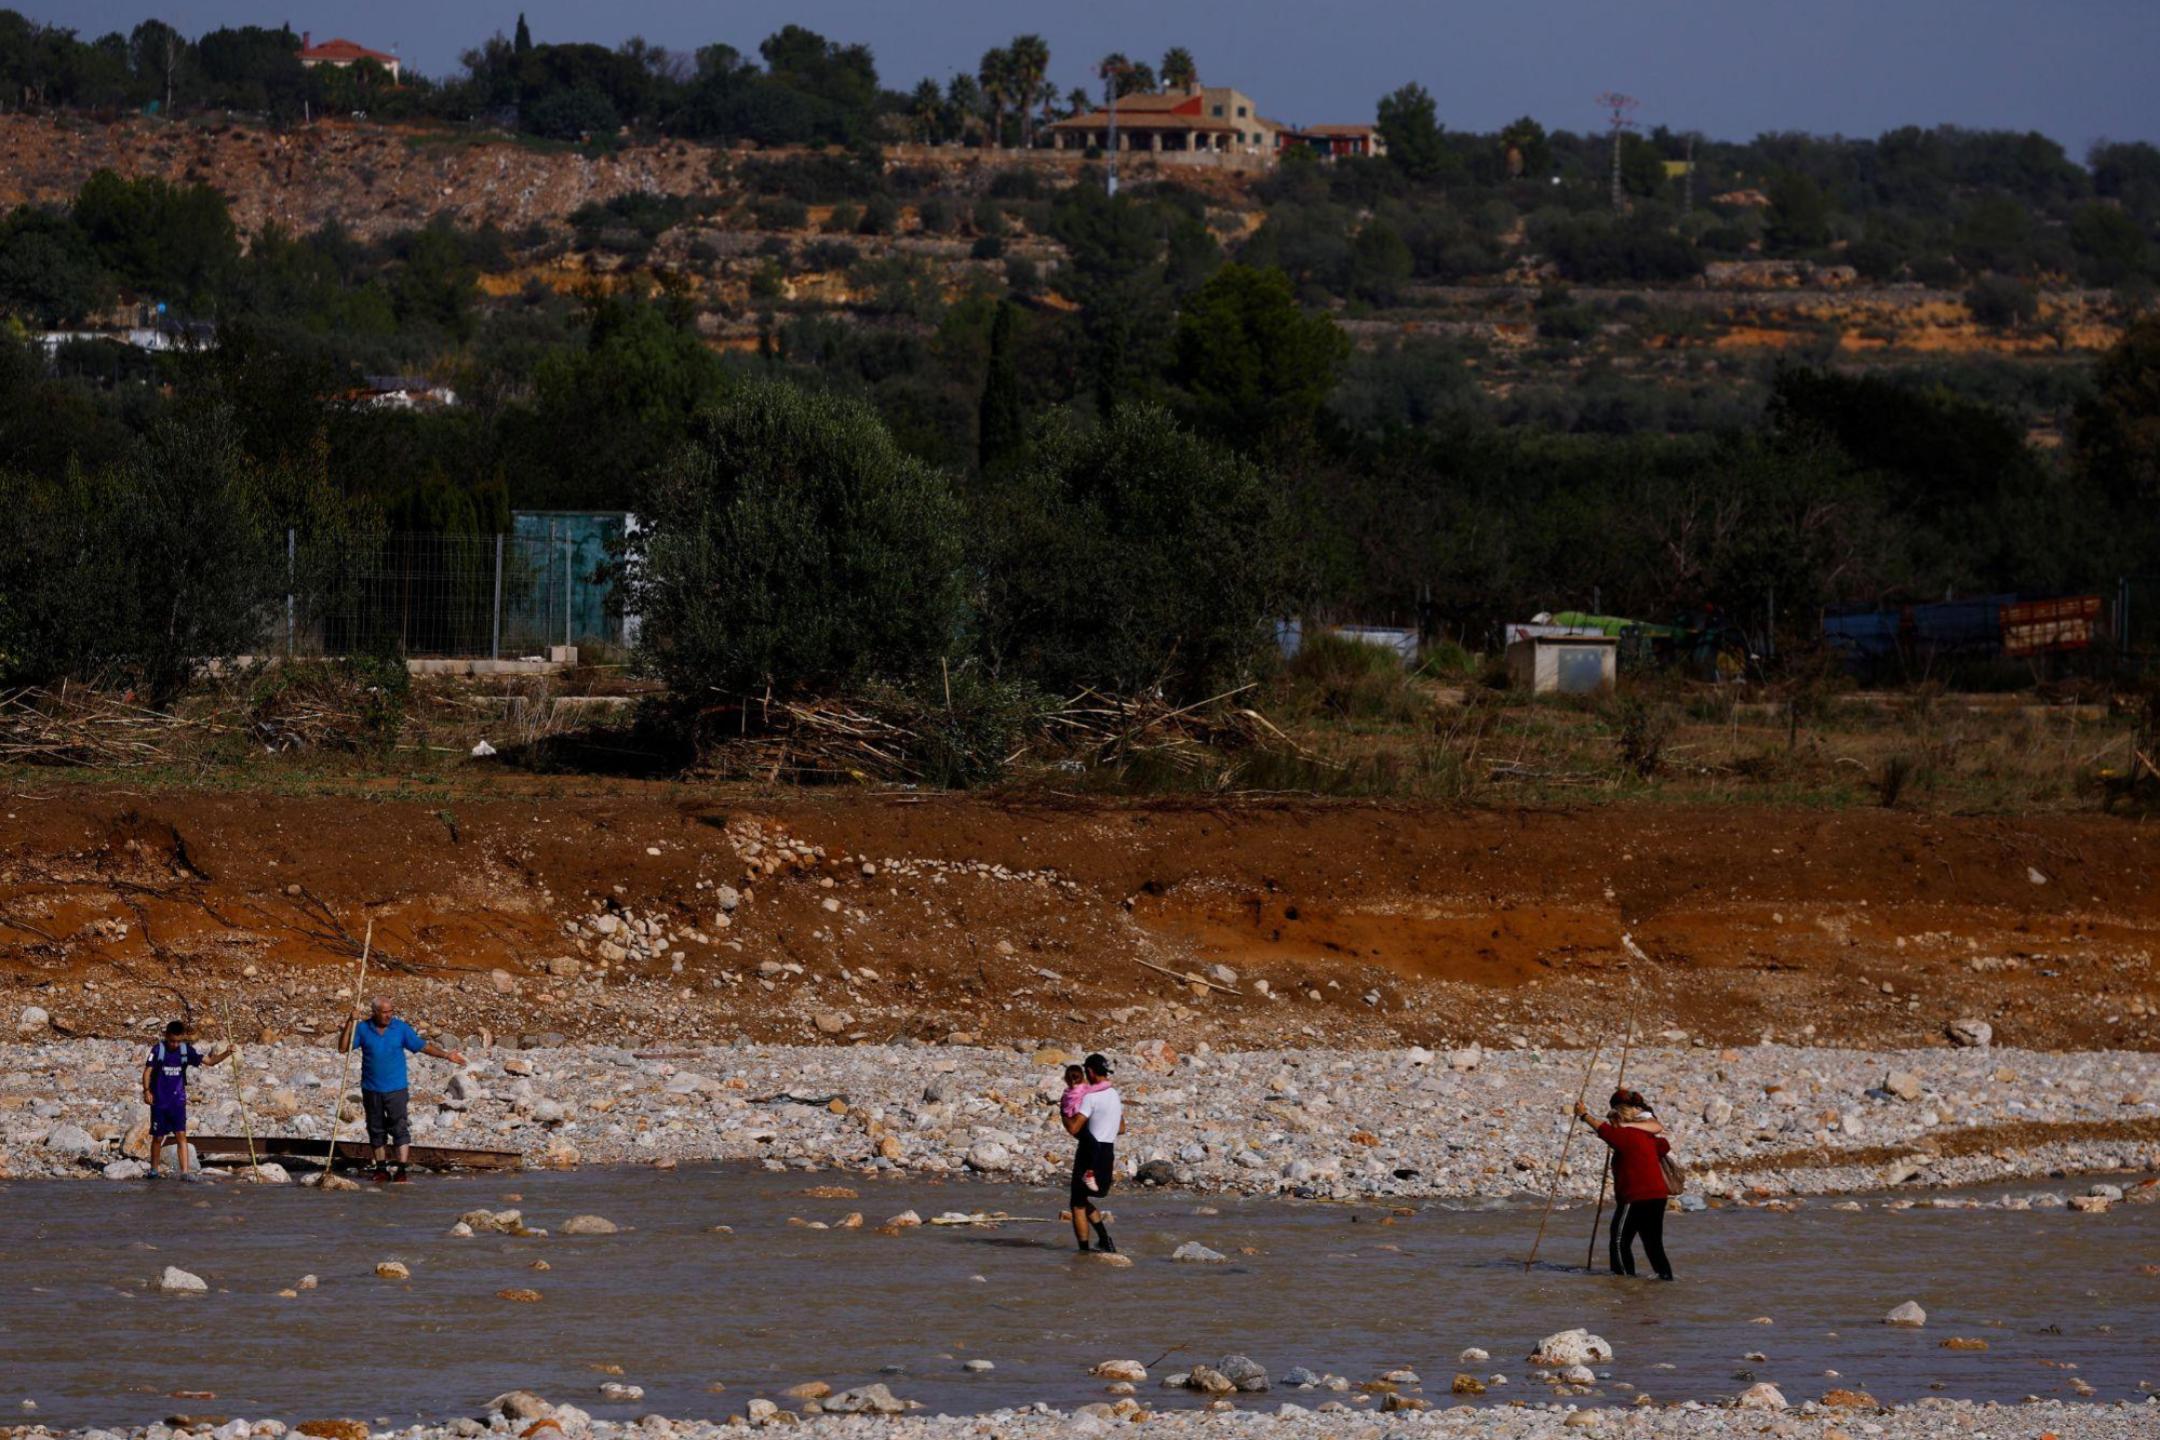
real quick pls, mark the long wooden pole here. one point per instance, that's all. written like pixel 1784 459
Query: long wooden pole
pixel 247 1116
pixel 1597 1217
pixel 337 1101
pixel 1565 1141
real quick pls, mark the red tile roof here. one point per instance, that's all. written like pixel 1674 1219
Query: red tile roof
pixel 344 52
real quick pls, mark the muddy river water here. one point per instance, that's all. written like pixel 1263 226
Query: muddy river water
pixel 704 1321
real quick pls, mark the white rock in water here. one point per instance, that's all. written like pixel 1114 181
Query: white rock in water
pixel 269 1172
pixel 32 1021
pixel 1908 1314
pixel 617 1391
pixel 176 1281
pixel 124 1169
pixel 1127 1370
pixel 589 1225
pixel 864 1400
pixel 1975 1034
pixel 1194 1253
pixel 1473 1356
pixel 1762 1396
pixel 1572 1347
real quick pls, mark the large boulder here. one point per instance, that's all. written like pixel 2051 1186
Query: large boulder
pixel 71 1142
pixel 1572 1347
pixel 1762 1396
pixel 1244 1372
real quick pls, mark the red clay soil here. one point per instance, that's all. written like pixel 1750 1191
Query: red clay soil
pixel 1369 924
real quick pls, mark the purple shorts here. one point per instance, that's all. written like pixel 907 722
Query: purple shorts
pixel 168 1119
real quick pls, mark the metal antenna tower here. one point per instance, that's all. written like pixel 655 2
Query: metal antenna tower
pixel 1620 106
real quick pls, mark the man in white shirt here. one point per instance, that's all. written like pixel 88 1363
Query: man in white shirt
pixel 1095 1125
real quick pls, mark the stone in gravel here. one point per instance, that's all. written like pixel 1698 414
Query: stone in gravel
pixel 989 1156
pixel 1192 1252
pixel 1572 1347
pixel 1973 1034
pixel 1843 1399
pixel 589 1225
pixel 1156 1172
pixel 563 967
pixel 176 1281
pixel 333 1429
pixel 32 1021
pixel 1244 1372
pixel 1394 1401
pixel 1468 1058
pixel 761 1412
pixel 71 1141
pixel 125 1169
pixel 727 897
pixel 1762 1396
pixel 1903 1084
pixel 1120 1370
pixel 392 1270
pixel 1908 1314
pixel 520 1405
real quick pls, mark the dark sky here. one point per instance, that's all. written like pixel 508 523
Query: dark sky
pixel 2076 69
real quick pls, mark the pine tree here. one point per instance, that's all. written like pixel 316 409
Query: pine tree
pixel 523 43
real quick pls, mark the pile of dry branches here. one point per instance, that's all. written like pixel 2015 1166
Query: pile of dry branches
pixel 814 739
pixel 76 725
pixel 1097 729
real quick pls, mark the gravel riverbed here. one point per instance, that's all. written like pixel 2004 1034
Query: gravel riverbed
pixel 1760 1121
pixel 1925 1420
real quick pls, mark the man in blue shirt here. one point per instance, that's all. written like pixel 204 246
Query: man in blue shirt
pixel 384 1040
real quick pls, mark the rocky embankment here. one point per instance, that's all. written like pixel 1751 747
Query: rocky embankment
pixel 1926 1420
pixel 1751 1124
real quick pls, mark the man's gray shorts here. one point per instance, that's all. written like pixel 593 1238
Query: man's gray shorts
pixel 387 1123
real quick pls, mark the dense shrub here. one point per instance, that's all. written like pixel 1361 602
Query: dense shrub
pixel 790 543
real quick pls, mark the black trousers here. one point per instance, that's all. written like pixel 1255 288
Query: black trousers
pixel 1645 1218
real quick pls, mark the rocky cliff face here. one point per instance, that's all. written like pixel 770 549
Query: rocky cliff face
pixel 374 180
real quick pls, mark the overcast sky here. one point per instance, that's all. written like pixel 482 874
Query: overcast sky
pixel 2076 69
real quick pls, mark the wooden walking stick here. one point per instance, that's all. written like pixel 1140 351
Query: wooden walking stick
pixel 337 1101
pixel 247 1116
pixel 1597 1218
pixel 1565 1141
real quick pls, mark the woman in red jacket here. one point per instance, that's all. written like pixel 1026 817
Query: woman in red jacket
pixel 1638 1143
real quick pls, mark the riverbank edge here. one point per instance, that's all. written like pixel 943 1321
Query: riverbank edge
pixel 1928 1419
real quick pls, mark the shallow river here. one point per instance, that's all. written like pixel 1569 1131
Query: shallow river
pixel 684 1311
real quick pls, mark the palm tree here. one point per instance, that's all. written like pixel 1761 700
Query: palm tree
pixel 1178 69
pixel 926 107
pixel 1029 56
pixel 996 73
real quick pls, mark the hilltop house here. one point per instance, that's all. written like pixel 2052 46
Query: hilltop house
pixel 1213 119
pixel 1334 142
pixel 341 53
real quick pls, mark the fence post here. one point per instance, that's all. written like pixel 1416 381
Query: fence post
pixel 495 640
pixel 569 582
pixel 291 550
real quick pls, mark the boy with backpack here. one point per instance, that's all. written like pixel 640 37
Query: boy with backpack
pixel 164 1090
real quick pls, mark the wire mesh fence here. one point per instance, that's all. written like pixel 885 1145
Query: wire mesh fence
pixel 2137 621
pixel 506 597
